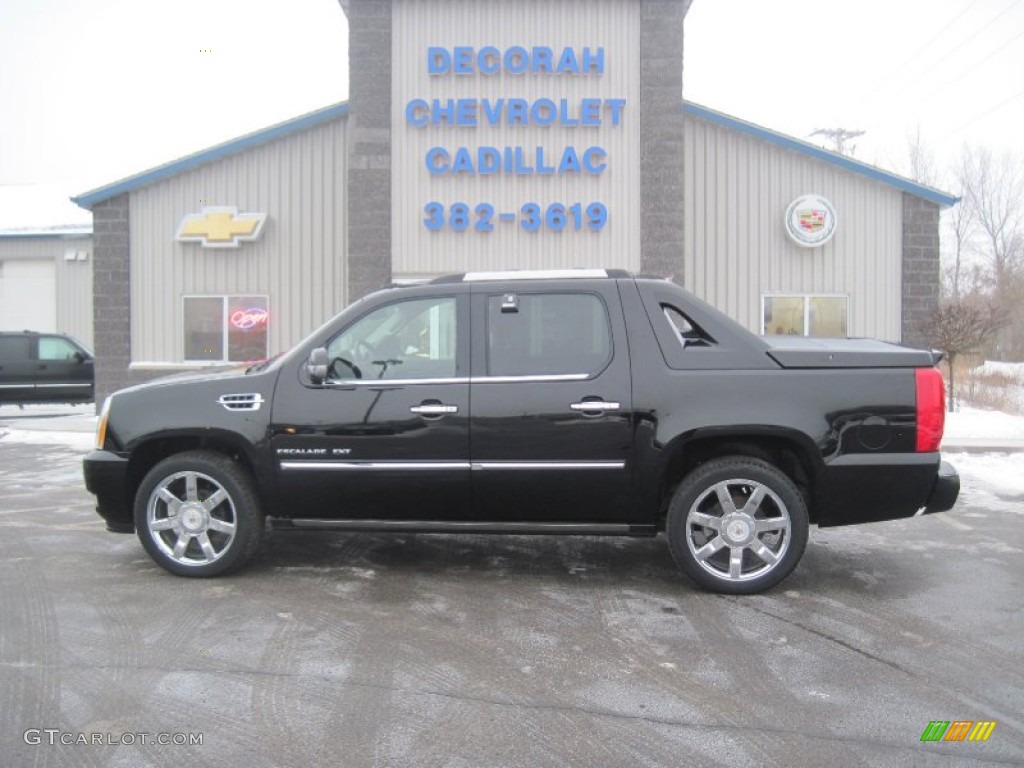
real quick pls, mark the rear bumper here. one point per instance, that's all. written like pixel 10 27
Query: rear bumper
pixel 946 490
pixel 106 476
pixel 868 488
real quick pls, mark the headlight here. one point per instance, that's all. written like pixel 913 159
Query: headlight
pixel 101 425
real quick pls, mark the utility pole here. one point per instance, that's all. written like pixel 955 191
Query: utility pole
pixel 839 137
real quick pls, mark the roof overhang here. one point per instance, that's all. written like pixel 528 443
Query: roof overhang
pixel 942 199
pixel 310 120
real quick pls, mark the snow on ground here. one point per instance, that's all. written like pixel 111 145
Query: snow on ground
pixel 79 442
pixel 72 426
pixel 995 384
pixel 1013 371
pixel 979 423
pixel 990 480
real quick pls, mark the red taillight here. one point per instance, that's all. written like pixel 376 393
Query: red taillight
pixel 931 409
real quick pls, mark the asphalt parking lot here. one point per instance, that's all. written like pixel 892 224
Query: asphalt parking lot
pixel 353 650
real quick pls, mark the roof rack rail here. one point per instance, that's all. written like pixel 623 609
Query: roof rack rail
pixel 532 274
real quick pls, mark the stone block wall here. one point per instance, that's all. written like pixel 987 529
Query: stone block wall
pixel 111 304
pixel 368 189
pixel 921 266
pixel 661 139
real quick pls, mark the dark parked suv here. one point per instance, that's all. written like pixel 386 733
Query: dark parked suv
pixel 44 368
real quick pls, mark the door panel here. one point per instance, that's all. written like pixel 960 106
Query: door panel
pixel 17 368
pixel 63 372
pixel 387 437
pixel 363 451
pixel 551 405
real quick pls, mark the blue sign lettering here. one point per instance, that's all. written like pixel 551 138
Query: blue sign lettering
pixel 515 60
pixel 513 160
pixel 543 112
pixel 540 112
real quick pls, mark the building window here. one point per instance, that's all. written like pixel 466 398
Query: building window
pixel 805 315
pixel 545 334
pixel 225 328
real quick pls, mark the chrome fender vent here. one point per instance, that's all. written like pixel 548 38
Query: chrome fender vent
pixel 244 402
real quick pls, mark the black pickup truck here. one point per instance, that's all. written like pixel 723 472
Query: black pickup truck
pixel 573 402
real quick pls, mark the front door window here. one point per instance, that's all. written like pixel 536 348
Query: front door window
pixel 405 340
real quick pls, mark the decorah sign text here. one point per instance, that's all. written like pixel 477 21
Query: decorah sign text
pixel 468 161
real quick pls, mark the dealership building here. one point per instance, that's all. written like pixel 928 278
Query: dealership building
pixel 526 134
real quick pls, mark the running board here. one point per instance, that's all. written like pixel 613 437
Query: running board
pixel 464 526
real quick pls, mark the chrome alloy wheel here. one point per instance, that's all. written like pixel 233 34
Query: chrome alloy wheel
pixel 191 518
pixel 738 530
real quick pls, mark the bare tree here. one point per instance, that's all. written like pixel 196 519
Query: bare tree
pixel 921 160
pixel 993 192
pixel 962 227
pixel 958 327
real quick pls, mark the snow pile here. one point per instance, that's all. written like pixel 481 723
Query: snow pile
pixel 994 385
pixel 973 423
pixel 990 480
pixel 1013 371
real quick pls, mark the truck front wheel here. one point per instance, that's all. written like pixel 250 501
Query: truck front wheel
pixel 197 514
pixel 737 525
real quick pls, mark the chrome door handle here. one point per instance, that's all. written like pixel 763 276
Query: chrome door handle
pixel 434 410
pixel 595 405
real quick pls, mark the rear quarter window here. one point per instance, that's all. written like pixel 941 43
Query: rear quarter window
pixel 15 348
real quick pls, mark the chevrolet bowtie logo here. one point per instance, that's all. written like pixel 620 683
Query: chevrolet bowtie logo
pixel 220 226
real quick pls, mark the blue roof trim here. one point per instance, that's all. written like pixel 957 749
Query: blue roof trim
pixel 40 234
pixel 310 120
pixel 877 174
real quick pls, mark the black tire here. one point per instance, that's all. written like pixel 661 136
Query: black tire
pixel 179 527
pixel 723 543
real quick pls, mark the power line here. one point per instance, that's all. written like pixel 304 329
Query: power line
pixel 1006 10
pixel 986 113
pixel 949 52
pixel 944 56
pixel 947 83
pixel 931 40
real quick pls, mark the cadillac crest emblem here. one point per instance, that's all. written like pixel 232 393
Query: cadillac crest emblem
pixel 810 221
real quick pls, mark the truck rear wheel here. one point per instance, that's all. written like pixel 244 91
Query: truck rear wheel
pixel 737 525
pixel 197 514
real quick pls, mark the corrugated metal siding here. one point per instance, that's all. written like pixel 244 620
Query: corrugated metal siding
pixel 73 279
pixel 736 247
pixel 299 262
pixel 611 24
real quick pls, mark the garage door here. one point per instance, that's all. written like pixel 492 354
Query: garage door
pixel 28 295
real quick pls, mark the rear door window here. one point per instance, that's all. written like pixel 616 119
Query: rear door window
pixel 15 348
pixel 547 334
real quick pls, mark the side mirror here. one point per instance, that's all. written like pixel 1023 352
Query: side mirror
pixel 316 367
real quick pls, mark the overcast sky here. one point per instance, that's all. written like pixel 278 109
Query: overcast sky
pixel 92 92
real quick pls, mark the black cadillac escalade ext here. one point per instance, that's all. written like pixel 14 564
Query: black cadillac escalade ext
pixel 573 402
